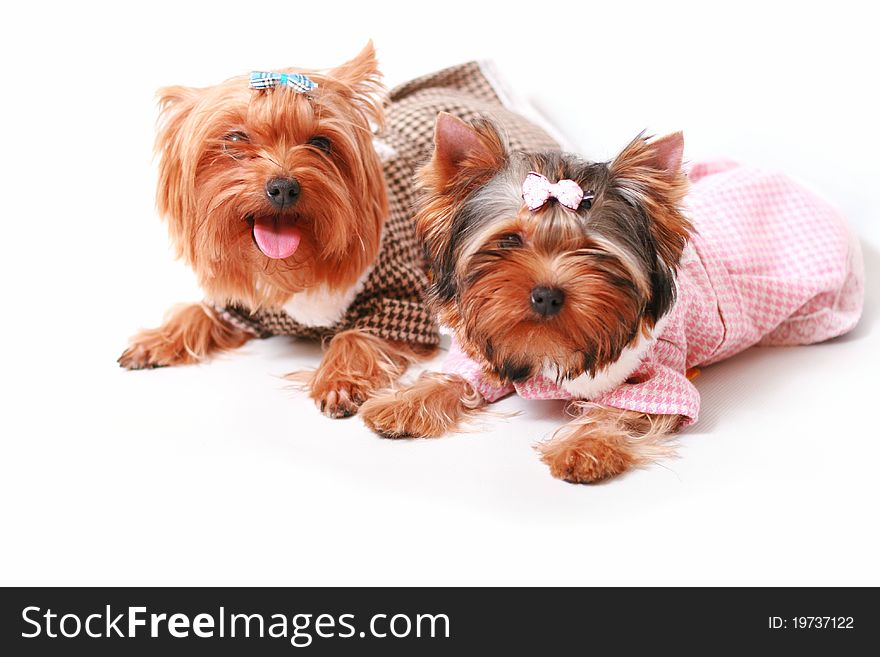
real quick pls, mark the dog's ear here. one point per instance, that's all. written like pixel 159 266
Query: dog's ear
pixel 665 154
pixel 175 106
pixel 173 146
pixel 465 155
pixel 360 81
pixel 362 67
pixel 649 175
pixel 648 159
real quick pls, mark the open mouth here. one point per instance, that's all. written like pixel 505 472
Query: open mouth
pixel 276 236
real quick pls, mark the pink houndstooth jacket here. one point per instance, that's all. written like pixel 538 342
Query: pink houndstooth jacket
pixel 769 264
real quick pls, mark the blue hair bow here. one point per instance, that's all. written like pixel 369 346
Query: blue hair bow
pixel 296 81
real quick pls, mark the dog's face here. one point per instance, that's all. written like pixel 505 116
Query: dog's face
pixel 268 192
pixel 554 288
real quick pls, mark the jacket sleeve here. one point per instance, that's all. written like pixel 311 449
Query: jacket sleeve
pixel 659 386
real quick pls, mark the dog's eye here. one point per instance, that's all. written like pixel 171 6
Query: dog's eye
pixel 236 137
pixel 321 143
pixel 587 201
pixel 232 141
pixel 510 241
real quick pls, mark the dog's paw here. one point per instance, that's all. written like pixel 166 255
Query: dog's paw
pixel 137 357
pixel 401 414
pixel 149 350
pixel 584 461
pixel 391 416
pixel 435 405
pixel 338 400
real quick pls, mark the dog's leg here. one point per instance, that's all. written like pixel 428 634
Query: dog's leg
pixel 434 405
pixel 602 442
pixel 355 365
pixel 189 334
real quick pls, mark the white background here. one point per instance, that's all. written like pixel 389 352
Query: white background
pixel 218 474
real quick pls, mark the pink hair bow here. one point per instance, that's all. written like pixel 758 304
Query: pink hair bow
pixel 537 190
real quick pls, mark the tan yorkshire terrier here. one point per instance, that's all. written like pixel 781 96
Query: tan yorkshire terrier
pixel 590 282
pixel 296 218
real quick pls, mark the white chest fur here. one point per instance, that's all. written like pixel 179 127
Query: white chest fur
pixel 590 387
pixel 321 306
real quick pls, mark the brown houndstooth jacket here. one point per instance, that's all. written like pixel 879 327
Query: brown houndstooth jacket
pixel 390 304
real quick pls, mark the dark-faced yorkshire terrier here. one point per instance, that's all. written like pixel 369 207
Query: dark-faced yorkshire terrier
pixel 567 279
pixel 274 194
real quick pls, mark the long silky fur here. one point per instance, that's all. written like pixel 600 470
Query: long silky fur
pixel 434 405
pixel 189 334
pixel 356 363
pixel 601 442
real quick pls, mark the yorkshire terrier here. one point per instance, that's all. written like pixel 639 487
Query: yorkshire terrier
pixel 602 284
pixel 275 196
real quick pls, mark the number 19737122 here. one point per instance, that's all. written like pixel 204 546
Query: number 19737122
pixel 810 623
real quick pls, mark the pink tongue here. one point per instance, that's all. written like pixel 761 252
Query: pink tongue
pixel 277 238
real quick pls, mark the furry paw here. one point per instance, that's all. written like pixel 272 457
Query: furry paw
pixel 434 405
pixel 585 461
pixel 355 365
pixel 603 442
pixel 338 400
pixel 149 350
pixel 190 334
pixel 391 415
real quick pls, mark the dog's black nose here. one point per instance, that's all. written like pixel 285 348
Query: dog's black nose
pixel 282 192
pixel 547 301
